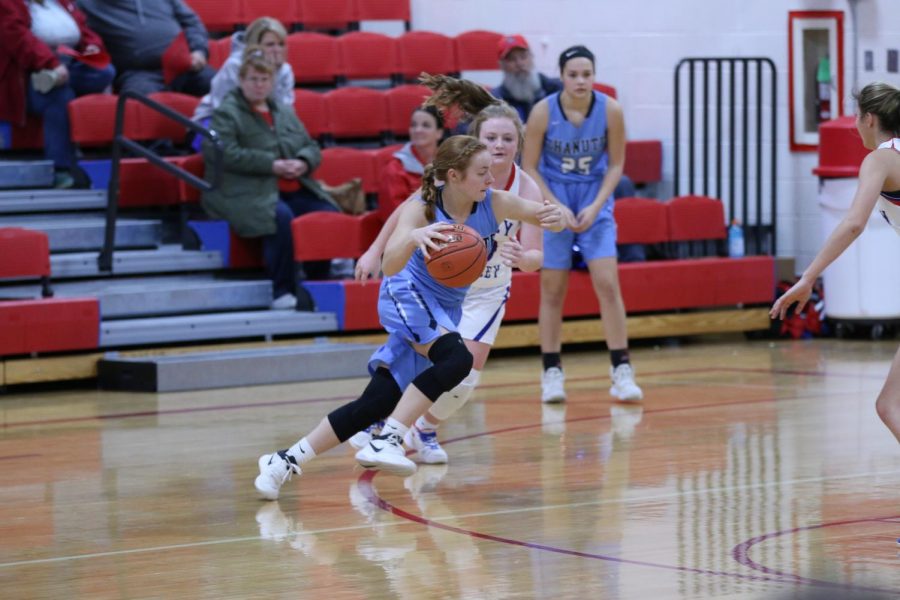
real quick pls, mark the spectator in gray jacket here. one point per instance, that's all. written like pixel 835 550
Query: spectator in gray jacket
pixel 138 33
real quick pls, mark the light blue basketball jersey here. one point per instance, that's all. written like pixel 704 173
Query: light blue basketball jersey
pixel 482 220
pixel 575 154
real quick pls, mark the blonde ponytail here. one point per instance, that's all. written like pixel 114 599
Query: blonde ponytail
pixel 429 192
pixel 449 93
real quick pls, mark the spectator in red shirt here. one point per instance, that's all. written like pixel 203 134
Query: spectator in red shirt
pixel 403 174
pixel 48 56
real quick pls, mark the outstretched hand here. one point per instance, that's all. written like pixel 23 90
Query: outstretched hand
pixel 430 236
pixel 551 216
pixel 798 294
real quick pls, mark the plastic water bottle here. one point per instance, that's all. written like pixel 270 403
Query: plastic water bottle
pixel 735 240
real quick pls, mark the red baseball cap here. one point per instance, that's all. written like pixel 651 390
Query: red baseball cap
pixel 508 43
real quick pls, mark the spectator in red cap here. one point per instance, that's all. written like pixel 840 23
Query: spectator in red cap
pixel 522 85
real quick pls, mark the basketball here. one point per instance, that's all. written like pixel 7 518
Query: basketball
pixel 459 261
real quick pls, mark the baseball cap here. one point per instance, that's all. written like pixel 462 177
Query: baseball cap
pixel 508 43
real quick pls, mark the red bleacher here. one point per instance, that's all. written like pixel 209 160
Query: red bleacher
pixel 49 325
pixel 26 254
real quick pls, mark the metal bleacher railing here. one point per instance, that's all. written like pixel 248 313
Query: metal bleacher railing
pixel 733 93
pixel 120 142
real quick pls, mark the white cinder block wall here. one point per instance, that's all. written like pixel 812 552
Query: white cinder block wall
pixel 638 44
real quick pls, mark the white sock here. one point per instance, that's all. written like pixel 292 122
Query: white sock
pixel 301 452
pixel 392 425
pixel 423 424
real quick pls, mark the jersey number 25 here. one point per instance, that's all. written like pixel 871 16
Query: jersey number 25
pixel 582 165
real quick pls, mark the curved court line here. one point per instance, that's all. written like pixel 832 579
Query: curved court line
pixel 368 490
pixel 741 552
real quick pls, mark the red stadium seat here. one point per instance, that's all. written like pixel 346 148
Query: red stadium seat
pixel 310 109
pixel 477 50
pixel 188 194
pixel 344 163
pixel 92 119
pixel 219 50
pixel 641 221
pixel 695 218
pixel 327 14
pixel 49 325
pixel 314 57
pixel 606 89
pixel 367 55
pixel 143 184
pixel 401 102
pixel 155 125
pixel 355 112
pixel 26 253
pixel 326 235
pixel 383 10
pixel 643 160
pixel 426 51
pixel 29 136
pixel 286 11
pixel 218 15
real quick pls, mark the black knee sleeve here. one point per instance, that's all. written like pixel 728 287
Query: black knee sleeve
pixel 452 362
pixel 377 402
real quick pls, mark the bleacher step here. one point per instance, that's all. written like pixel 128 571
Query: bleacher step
pixel 168 258
pixel 215 326
pixel 154 296
pixel 26 173
pixel 74 232
pixel 33 201
pixel 234 368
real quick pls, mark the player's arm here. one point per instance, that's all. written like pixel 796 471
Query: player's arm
pixel 872 174
pixel 411 232
pixel 545 215
pixel 531 237
pixel 615 150
pixel 534 145
pixel 369 263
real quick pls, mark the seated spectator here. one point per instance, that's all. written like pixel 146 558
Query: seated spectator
pixel 48 56
pixel 269 160
pixel 142 35
pixel 267 33
pixel 403 174
pixel 522 86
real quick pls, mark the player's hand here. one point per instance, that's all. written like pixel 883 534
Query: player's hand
pixel 551 216
pixel 430 236
pixel 586 217
pixel 368 266
pixel 511 252
pixel 799 294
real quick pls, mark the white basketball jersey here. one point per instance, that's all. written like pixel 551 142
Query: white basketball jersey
pixel 495 272
pixel 889 202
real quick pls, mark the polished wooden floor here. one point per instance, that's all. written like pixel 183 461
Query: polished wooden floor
pixel 751 470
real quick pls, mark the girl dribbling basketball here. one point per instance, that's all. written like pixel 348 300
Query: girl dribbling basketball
pixel 419 315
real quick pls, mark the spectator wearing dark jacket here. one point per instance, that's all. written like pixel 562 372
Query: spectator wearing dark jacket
pixel 522 86
pixel 139 33
pixel 48 56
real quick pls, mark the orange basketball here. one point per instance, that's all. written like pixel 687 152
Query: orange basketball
pixel 460 261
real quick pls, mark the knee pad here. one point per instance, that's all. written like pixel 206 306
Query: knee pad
pixel 452 401
pixel 452 362
pixel 377 402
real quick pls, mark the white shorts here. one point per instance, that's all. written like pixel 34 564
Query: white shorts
pixel 482 313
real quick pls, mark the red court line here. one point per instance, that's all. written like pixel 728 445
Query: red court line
pixel 368 490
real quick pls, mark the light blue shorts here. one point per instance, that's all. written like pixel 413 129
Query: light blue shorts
pixel 409 314
pixel 599 241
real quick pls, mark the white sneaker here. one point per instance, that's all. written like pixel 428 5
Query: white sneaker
pixel 385 452
pixel 552 381
pixel 359 439
pixel 426 445
pixel 623 386
pixel 274 470
pixel 284 302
